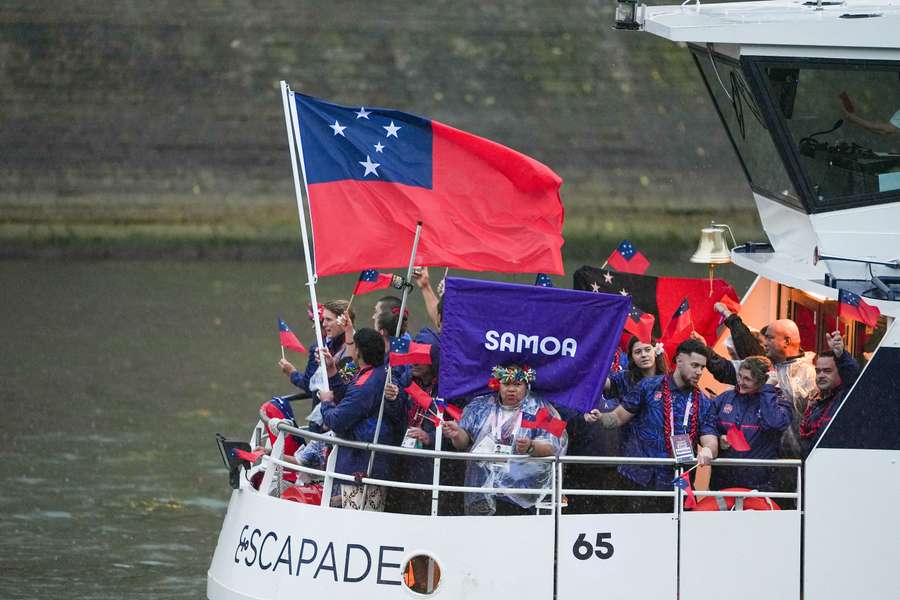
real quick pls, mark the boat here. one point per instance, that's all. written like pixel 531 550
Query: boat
pixel 806 91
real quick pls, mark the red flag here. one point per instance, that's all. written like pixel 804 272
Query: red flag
pixel 377 172
pixel 684 482
pixel 736 438
pixel 371 280
pixel 855 308
pixel 288 339
pixel 454 412
pixel 640 324
pixel 546 421
pixel 418 354
pixel 419 396
pixel 627 259
pixel 730 303
pixel 252 457
pixel 680 325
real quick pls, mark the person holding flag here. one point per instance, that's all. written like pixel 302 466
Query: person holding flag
pixel 751 419
pixel 671 417
pixel 335 348
pixel 506 422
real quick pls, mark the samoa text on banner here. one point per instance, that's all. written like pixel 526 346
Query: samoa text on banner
pixel 567 336
pixel 377 172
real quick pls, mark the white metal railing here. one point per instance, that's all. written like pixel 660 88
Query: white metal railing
pixel 274 464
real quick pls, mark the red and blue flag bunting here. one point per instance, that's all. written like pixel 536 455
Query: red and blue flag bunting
pixel 855 308
pixel 371 280
pixel 288 339
pixel 628 259
pixel 379 172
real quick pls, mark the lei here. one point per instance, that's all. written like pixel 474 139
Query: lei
pixel 669 415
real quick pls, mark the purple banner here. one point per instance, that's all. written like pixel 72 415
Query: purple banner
pixel 567 336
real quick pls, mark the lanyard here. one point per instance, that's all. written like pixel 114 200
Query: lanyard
pixel 496 427
pixel 687 415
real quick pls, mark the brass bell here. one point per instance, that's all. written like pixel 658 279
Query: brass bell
pixel 713 250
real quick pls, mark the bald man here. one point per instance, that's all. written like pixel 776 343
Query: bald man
pixel 795 374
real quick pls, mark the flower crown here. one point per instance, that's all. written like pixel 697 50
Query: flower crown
pixel 510 375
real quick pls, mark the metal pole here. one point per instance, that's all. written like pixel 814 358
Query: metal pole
pixel 292 124
pixel 436 476
pixel 273 470
pixel 412 258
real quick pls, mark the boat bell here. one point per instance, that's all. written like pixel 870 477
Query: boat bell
pixel 712 250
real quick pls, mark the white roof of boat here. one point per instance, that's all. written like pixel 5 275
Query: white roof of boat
pixel 780 23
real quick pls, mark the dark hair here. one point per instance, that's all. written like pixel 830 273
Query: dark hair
pixel 634 373
pixel 387 320
pixel 691 346
pixel 389 302
pixel 826 354
pixel 370 346
pixel 759 367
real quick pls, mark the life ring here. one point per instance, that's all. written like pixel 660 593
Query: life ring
pixel 715 503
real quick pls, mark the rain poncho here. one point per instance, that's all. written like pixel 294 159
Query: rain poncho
pixel 493 429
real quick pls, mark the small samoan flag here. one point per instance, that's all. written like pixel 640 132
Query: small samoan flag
pixel 544 420
pixel 454 412
pixel 627 259
pixel 640 324
pixel 543 280
pixel 419 396
pixel 406 352
pixel 683 482
pixel 855 308
pixel 680 325
pixel 251 457
pixel 736 438
pixel 371 280
pixel 288 339
pixel 730 303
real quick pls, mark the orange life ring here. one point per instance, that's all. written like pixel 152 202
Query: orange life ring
pixel 715 503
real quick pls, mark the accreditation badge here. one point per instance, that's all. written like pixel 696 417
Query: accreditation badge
pixel 682 448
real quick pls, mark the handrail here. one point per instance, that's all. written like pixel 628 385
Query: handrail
pixel 600 460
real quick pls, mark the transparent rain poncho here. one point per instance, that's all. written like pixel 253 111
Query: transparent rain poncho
pixel 493 429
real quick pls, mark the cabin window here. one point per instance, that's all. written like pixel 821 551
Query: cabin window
pixel 746 127
pixel 838 125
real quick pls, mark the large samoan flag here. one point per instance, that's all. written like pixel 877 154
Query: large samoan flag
pixel 378 172
pixel 567 336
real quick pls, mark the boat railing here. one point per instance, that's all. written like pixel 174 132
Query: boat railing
pixel 273 466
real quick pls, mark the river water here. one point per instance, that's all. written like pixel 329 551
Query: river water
pixel 114 378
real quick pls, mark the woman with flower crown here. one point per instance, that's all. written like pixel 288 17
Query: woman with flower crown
pixel 493 424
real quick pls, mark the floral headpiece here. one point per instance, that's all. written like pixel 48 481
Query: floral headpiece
pixel 309 312
pixel 510 375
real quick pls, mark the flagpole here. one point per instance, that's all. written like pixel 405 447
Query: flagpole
pixel 412 258
pixel 292 124
pixel 436 474
pixel 349 304
pixel 282 354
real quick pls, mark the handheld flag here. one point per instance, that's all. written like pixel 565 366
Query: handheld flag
pixel 855 308
pixel 627 259
pixel 250 457
pixel 371 280
pixel 640 324
pixel 288 339
pixel 543 280
pixel 407 352
pixel 736 438
pixel 450 410
pixel 419 396
pixel 544 420
pixel 684 483
pixel 730 303
pixel 680 325
pixel 380 171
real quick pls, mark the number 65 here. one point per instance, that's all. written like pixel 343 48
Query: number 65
pixel 583 550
